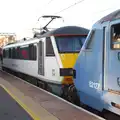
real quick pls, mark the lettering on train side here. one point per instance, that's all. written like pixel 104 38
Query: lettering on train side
pixel 94 85
pixel 14 65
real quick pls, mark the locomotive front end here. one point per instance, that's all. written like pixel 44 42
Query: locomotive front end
pixel 68 48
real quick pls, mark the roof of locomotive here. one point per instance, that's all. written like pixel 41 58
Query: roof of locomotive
pixel 66 30
pixel 110 17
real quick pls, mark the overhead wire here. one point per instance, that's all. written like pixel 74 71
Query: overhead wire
pixel 46 5
pixel 49 2
pixel 99 12
pixel 69 6
pixel 104 10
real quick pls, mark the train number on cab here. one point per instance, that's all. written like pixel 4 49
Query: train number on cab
pixel 94 85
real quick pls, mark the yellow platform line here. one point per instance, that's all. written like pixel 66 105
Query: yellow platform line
pixel 33 115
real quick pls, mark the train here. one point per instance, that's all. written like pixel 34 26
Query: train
pixel 97 68
pixel 48 57
pixel 87 74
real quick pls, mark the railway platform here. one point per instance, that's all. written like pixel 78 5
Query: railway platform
pixel 23 101
pixel 9 109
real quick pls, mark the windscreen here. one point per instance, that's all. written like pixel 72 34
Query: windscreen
pixel 69 44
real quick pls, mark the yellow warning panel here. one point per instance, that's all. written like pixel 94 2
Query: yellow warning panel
pixel 10 110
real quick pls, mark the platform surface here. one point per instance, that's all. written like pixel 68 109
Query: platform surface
pixel 10 109
pixel 42 104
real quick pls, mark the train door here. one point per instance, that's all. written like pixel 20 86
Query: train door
pixel 41 58
pixel 104 57
pixel 112 82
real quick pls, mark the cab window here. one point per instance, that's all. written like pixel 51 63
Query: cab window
pixel 69 44
pixel 115 36
pixel 49 47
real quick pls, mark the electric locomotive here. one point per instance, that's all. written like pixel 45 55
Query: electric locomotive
pixel 97 68
pixel 48 57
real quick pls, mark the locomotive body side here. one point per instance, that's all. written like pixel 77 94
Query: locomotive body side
pixel 97 67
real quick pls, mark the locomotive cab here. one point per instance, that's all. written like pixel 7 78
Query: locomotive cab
pixel 68 49
pixel 60 51
pixel 98 66
pixel 68 45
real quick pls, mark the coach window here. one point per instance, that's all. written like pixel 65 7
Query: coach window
pixel 115 36
pixel 49 47
pixel 24 52
pixel 9 52
pixel 13 53
pixel 4 53
pixel 18 52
